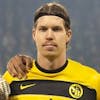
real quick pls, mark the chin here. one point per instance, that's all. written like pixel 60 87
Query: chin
pixel 50 54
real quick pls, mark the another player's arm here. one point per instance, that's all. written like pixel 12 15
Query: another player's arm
pixel 4 89
pixel 19 65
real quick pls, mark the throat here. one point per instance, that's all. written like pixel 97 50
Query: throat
pixel 51 64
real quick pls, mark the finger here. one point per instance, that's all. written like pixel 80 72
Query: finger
pixel 14 67
pixel 19 66
pixel 11 69
pixel 19 63
pixel 27 61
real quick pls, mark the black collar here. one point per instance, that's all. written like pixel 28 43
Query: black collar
pixel 51 71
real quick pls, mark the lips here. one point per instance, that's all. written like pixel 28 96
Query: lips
pixel 50 44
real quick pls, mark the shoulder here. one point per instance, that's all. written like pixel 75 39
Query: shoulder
pixel 87 74
pixel 8 77
pixel 82 67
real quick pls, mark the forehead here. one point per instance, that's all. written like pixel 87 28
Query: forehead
pixel 50 20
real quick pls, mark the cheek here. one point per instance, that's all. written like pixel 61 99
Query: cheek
pixel 62 40
pixel 38 41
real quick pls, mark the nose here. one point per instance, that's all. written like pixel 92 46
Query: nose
pixel 50 35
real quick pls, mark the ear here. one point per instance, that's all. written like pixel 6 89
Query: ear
pixel 33 33
pixel 69 35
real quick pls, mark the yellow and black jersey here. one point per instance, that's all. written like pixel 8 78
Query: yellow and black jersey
pixel 72 81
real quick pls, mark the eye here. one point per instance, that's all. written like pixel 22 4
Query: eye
pixel 56 28
pixel 43 28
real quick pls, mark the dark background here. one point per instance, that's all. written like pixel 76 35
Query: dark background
pixel 16 20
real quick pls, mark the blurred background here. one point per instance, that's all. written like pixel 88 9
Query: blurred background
pixel 16 20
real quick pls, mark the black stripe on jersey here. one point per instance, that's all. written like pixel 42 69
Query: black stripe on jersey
pixel 50 87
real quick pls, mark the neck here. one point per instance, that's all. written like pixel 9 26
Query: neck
pixel 51 63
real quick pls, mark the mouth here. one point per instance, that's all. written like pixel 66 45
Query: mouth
pixel 49 46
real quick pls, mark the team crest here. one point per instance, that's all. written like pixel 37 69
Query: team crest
pixel 76 91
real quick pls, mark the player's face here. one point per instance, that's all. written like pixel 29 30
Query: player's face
pixel 51 36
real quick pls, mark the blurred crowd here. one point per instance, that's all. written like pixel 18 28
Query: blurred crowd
pixel 16 23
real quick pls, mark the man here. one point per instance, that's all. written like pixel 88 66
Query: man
pixel 52 76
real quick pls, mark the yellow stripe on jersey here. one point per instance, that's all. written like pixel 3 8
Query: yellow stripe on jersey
pixel 39 97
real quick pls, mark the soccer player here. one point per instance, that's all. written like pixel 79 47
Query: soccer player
pixel 52 76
